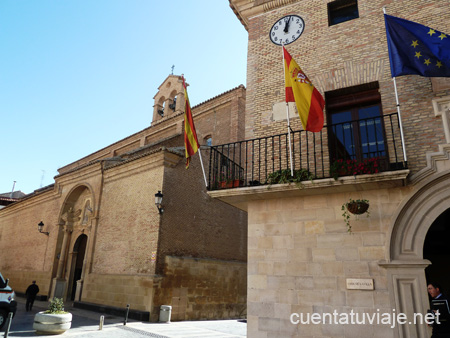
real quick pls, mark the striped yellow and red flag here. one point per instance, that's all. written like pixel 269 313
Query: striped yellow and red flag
pixel 307 98
pixel 190 136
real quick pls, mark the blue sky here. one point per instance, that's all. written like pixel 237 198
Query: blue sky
pixel 78 75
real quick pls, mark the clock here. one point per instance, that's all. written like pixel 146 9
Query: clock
pixel 286 30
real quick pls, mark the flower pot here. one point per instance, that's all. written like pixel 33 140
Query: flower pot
pixel 238 183
pixel 50 323
pixel 231 184
pixel 357 208
pixel 225 184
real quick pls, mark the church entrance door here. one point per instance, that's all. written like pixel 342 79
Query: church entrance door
pixel 79 250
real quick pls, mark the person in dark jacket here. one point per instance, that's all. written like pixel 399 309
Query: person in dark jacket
pixel 31 293
pixel 441 327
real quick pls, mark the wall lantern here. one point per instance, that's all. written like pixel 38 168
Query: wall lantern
pixel 158 201
pixel 40 227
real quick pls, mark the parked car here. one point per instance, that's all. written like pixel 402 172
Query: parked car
pixel 7 302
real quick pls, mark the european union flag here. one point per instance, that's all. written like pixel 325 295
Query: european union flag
pixel 416 49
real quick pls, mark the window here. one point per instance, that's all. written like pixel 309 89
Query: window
pixel 341 11
pixel 355 123
pixel 208 141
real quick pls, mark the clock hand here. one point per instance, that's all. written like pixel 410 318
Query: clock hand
pixel 286 27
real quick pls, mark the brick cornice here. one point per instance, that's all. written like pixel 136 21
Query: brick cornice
pixel 245 9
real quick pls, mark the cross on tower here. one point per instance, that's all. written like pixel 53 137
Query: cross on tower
pixel 173 66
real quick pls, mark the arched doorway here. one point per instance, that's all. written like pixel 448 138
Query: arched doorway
pixel 406 265
pixel 79 250
pixel 75 217
pixel 437 250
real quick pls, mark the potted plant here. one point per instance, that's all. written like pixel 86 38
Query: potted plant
pixel 230 179
pixel 53 321
pixel 355 207
pixel 284 176
pixel 347 167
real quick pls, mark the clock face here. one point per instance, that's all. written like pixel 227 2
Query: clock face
pixel 286 30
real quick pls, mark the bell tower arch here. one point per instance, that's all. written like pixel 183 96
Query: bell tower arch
pixel 169 100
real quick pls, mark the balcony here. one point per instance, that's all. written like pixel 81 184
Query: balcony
pixel 358 147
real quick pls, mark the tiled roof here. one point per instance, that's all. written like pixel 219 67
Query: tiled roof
pixel 215 97
pixel 15 195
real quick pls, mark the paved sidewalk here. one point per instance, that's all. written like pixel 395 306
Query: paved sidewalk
pixel 86 324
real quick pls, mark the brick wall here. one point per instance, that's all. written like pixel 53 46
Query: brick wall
pixel 194 224
pixel 128 227
pixel 21 244
pixel 338 56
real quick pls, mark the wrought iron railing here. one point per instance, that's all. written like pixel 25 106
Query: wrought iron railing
pixel 364 146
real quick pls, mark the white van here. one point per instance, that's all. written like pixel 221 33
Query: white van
pixel 7 302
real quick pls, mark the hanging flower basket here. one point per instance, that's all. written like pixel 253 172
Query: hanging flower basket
pixel 357 207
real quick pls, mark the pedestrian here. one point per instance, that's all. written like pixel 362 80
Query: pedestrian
pixel 440 307
pixel 31 293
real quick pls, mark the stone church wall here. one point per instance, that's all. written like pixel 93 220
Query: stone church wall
pixel 202 289
pixel 21 243
pixel 118 290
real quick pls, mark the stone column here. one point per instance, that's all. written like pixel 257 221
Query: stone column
pixel 60 283
pixel 408 292
pixel 64 249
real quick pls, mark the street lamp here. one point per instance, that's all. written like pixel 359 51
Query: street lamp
pixel 40 227
pixel 158 201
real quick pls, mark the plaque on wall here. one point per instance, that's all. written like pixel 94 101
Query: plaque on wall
pixel 360 284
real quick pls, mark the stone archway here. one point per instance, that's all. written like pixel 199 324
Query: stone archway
pixel 75 215
pixel 406 265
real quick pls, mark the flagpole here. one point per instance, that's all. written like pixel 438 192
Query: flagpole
pixel 287 114
pixel 399 113
pixel 400 121
pixel 203 168
pixel 188 105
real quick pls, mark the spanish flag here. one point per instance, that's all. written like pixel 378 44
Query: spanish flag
pixel 307 98
pixel 190 136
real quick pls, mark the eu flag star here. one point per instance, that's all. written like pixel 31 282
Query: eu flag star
pixel 417 49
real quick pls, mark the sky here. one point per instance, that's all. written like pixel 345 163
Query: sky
pixel 78 75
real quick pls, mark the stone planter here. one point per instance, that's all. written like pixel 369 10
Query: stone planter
pixel 50 323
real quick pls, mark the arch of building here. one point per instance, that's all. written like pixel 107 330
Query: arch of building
pixel 72 218
pixel 73 196
pixel 406 265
